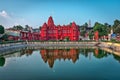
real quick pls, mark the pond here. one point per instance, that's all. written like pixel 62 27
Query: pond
pixel 60 64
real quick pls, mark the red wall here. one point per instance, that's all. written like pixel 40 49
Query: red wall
pixel 50 31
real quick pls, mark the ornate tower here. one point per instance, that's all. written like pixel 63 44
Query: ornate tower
pixel 50 22
pixel 89 23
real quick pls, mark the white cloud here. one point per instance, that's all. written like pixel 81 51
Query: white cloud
pixel 4 14
pixel 10 19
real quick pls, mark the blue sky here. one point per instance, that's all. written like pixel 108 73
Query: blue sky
pixel 36 12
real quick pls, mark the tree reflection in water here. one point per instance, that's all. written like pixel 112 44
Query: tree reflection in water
pixel 2 61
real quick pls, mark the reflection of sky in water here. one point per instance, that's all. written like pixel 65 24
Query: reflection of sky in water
pixel 89 64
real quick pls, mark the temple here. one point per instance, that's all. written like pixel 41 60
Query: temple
pixel 50 31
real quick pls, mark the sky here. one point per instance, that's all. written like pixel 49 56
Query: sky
pixel 35 12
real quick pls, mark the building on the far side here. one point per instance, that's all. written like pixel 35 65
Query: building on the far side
pixel 49 31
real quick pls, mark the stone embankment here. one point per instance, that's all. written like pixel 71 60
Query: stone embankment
pixel 113 46
pixel 110 45
pixel 4 48
pixel 59 44
pixel 11 46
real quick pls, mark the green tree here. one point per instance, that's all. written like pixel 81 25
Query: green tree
pixel 1 29
pixel 17 27
pixel 40 27
pixel 83 29
pixel 27 27
pixel 91 34
pixel 116 26
pixel 86 24
pixel 117 29
pixel 5 37
pixel 102 29
pixel 66 39
pixel 82 33
pixel 70 23
pixel 108 27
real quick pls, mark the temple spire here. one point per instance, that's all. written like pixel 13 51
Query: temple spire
pixel 50 22
pixel 73 24
pixel 89 23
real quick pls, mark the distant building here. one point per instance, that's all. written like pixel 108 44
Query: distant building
pixel 12 34
pixel 88 29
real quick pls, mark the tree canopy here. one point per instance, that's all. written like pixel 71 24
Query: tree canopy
pixel 83 29
pixel 103 29
pixel 2 29
pixel 18 27
pixel 116 26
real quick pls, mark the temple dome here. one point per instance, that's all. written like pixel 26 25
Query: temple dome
pixel 50 22
pixel 44 25
pixel 74 24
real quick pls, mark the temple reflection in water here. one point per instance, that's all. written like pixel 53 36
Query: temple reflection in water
pixel 51 55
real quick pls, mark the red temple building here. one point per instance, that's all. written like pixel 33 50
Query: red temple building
pixel 96 35
pixel 50 31
pixel 29 35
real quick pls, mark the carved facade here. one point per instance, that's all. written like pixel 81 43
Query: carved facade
pixel 50 31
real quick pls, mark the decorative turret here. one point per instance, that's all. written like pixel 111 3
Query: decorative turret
pixel 74 24
pixel 44 25
pixel 50 22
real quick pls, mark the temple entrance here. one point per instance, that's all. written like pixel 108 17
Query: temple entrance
pixel 66 39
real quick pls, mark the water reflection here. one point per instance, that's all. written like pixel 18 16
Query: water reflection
pixel 2 61
pixel 116 57
pixel 100 53
pixel 51 55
